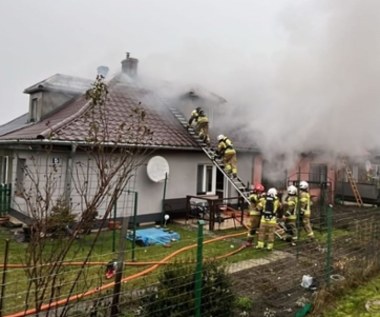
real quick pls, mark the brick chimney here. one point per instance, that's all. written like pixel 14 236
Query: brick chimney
pixel 129 66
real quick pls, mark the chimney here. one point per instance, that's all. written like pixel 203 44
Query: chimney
pixel 102 71
pixel 129 66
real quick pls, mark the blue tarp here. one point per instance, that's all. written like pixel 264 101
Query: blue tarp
pixel 152 236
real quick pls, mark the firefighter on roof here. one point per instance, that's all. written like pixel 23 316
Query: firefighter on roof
pixel 256 205
pixel 290 212
pixel 268 222
pixel 305 208
pixel 201 124
pixel 227 152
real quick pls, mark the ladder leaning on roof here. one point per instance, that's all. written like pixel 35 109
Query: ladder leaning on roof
pixel 237 183
pixel 354 188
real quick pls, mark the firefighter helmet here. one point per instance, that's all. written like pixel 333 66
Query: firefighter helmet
pixel 221 137
pixel 292 190
pixel 304 185
pixel 198 109
pixel 258 188
pixel 272 192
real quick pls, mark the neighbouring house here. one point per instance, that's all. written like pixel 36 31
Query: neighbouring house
pixel 51 139
pixel 365 171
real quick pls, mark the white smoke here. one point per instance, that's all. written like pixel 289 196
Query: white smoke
pixel 315 91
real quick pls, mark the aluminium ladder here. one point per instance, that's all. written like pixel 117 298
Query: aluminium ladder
pixel 354 188
pixel 237 183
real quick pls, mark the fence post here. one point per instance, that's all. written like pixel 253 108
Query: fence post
pixel 3 282
pixel 114 226
pixel 328 267
pixel 120 268
pixel 198 270
pixel 134 226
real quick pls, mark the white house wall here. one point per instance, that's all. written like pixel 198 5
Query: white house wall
pixel 42 166
pixel 182 180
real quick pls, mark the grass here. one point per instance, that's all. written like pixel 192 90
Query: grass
pixel 16 279
pixel 353 303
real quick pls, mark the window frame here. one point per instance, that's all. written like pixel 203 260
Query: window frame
pixel 33 110
pixel 20 176
pixel 206 179
pixel 4 169
pixel 321 176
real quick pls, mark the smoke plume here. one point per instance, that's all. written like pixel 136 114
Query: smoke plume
pixel 314 91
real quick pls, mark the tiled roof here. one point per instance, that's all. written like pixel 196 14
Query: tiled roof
pixel 15 124
pixel 73 122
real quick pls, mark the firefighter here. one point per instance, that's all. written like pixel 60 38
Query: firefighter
pixel 201 124
pixel 305 208
pixel 227 152
pixel 255 207
pixel 268 222
pixel 290 212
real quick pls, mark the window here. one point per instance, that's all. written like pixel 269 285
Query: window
pixel 20 175
pixel 206 179
pixel 33 110
pixel 4 168
pixel 318 173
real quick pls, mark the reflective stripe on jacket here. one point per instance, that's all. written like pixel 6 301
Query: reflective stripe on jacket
pixel 305 203
pixel 255 206
pixel 291 207
pixel 225 146
pixel 270 209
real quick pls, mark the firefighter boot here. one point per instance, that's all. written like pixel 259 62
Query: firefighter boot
pixel 260 245
pixel 270 246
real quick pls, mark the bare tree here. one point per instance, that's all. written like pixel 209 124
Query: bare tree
pixel 112 155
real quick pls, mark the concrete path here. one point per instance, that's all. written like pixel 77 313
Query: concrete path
pixel 247 264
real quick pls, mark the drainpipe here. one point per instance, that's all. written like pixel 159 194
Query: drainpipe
pixel 69 172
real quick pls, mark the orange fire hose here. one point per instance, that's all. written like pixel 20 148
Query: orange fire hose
pixel 124 280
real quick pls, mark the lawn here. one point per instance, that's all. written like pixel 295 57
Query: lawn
pixel 16 280
pixel 353 303
pixel 144 258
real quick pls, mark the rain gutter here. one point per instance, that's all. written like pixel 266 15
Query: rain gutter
pixel 83 143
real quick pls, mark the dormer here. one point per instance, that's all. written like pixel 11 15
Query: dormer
pixel 50 94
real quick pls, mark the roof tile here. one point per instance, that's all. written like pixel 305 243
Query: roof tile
pixel 75 121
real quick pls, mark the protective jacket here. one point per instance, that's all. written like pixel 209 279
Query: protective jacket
pixel 256 204
pixel 270 209
pixel 225 146
pixel 198 117
pixel 291 207
pixel 305 204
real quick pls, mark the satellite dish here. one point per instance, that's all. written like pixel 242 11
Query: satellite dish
pixel 157 169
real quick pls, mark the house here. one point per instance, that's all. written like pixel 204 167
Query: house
pixel 52 141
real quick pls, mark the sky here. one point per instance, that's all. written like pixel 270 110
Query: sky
pixel 304 73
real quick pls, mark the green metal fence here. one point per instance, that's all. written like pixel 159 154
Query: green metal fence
pixel 5 198
pixel 184 278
